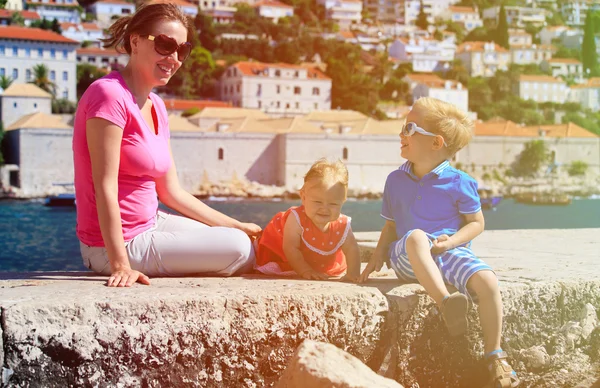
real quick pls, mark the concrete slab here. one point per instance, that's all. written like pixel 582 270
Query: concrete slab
pixel 69 329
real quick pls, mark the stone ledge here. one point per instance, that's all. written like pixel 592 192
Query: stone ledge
pixel 69 329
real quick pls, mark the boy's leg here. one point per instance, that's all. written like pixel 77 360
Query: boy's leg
pixel 418 248
pixel 485 285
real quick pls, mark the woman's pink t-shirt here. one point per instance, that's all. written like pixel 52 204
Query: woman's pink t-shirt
pixel 145 156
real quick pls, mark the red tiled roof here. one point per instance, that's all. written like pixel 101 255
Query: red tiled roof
pixel 173 104
pixel 181 3
pixel 33 34
pixel 272 3
pixel 458 9
pixel 531 47
pixel 256 68
pixel 28 15
pixel 111 52
pixel 565 60
pixel 119 2
pixel 52 3
pixel 478 46
pixel 540 78
pixel 432 80
pixel 509 128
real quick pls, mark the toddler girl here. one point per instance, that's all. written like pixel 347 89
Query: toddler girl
pixel 313 240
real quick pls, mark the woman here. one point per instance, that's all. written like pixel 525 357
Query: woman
pixel 123 160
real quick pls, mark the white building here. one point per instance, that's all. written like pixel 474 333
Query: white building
pixel 344 12
pixel 102 58
pixel 518 37
pixel 106 11
pixel 519 16
pixel 449 91
pixel 22 48
pixel 564 67
pixel 274 10
pixel 84 32
pixel 588 94
pixel 16 5
pixel 28 16
pixel 410 9
pixel 542 88
pixel 426 55
pixel 61 10
pixel 549 34
pixel 575 11
pixel 276 88
pixel 221 11
pixel 483 59
pixel 23 99
pixel 467 16
pixel 530 54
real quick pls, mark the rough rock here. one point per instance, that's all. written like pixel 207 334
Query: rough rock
pixel 588 320
pixel 322 365
pixel 535 358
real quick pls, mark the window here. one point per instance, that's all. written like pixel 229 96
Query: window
pixel 14 104
pixel 27 52
pixel 15 51
pixel 28 75
pixel 278 104
pixel 65 54
pixel 92 59
pixel 316 106
pixel 52 75
pixel 237 88
pixel 258 90
pixel 296 74
pixel 345 153
pixel 277 73
pixel 52 53
pixel 315 91
pixel 221 154
pixel 66 94
pixel 259 104
pixel 297 90
pixel 278 89
pixel 65 76
pixel 40 52
pixel 15 74
pixel 297 105
pixel 35 105
pixel 287 105
pixel 1 50
pixel 2 72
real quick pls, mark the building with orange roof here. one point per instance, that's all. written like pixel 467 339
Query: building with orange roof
pixel 344 12
pixel 587 94
pixel 22 48
pixel 432 85
pixel 61 10
pixel 564 67
pixel 83 32
pixel 276 88
pixel 221 11
pixel 519 37
pixel 424 53
pixel 102 58
pixel 483 59
pixel 531 54
pixel 187 7
pixel 28 16
pixel 467 16
pixel 274 9
pixel 542 88
pixel 105 11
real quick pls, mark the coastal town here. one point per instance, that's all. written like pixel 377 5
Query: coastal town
pixel 271 86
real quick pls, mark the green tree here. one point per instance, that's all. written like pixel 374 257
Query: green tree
pixel 533 157
pixel 501 32
pixel 5 82
pixel 63 106
pixel 190 112
pixel 17 19
pixel 395 90
pixel 457 72
pixel 3 4
pixel 458 29
pixel 86 75
pixel 479 34
pixel 195 78
pixel 588 47
pixel 1 137
pixel 56 27
pixel 41 78
pixel 577 168
pixel 421 21
pixel 208 35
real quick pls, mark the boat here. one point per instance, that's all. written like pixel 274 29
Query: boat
pixel 62 199
pixel 489 201
pixel 543 199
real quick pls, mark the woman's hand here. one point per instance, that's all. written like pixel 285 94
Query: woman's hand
pixel 250 229
pixel 126 278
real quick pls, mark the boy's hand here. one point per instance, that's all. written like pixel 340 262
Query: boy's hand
pixel 375 264
pixel 441 244
pixel 351 278
pixel 314 275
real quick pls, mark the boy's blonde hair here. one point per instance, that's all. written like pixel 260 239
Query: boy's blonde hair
pixel 324 170
pixel 447 120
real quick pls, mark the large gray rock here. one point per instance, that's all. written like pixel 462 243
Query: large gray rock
pixel 322 365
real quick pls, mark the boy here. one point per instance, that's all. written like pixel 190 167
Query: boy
pixel 432 213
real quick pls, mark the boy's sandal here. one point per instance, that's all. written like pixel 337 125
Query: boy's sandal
pixel 454 311
pixel 502 374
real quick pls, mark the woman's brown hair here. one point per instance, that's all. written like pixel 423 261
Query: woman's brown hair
pixel 142 22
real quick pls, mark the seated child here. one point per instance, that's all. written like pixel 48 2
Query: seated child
pixel 313 240
pixel 432 213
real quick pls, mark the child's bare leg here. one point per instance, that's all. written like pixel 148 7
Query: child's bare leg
pixel 485 286
pixel 425 269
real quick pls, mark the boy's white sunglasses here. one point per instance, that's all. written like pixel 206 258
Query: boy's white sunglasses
pixel 410 128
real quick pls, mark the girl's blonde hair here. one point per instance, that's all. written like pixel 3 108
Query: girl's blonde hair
pixel 446 120
pixel 324 170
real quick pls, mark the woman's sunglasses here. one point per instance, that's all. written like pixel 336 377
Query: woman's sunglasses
pixel 165 45
pixel 411 128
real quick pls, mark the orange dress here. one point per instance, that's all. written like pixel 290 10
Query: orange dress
pixel 321 250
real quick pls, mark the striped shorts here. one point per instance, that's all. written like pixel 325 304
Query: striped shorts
pixel 456 265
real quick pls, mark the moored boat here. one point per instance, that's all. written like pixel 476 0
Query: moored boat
pixel 543 199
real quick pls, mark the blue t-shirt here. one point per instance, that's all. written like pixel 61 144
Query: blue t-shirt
pixel 433 204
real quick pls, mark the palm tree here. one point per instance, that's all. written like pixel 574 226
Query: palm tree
pixel 5 82
pixel 41 78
